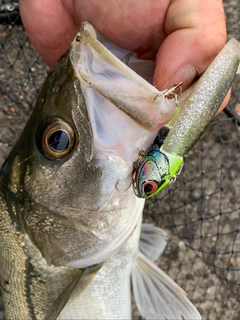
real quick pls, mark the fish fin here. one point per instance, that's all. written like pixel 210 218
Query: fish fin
pixel 58 305
pixel 153 241
pixel 157 296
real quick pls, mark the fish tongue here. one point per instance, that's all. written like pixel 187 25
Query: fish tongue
pixel 110 87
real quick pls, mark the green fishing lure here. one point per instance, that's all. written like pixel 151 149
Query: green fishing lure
pixel 155 168
pixel 158 166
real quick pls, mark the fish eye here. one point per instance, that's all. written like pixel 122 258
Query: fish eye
pixel 57 139
pixel 150 187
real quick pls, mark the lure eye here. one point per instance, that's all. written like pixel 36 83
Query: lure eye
pixel 57 140
pixel 150 187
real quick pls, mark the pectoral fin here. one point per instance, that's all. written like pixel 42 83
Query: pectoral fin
pixel 157 296
pixel 58 305
pixel 153 241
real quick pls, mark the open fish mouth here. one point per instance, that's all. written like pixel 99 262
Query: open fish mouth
pixel 125 111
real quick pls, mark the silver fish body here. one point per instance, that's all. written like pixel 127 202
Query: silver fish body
pixel 108 293
pixel 65 198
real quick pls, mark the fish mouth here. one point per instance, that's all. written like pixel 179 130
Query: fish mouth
pixel 132 110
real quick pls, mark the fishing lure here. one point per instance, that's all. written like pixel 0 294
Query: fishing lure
pixel 156 168
pixel 159 165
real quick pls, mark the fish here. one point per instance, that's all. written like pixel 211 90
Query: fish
pixel 160 164
pixel 69 220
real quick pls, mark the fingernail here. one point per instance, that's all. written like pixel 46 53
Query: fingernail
pixel 185 74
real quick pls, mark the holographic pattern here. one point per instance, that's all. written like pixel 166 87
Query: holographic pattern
pixel 155 171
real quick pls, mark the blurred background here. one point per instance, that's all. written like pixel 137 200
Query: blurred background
pixel 201 210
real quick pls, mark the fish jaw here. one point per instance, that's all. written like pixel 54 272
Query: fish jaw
pixel 117 82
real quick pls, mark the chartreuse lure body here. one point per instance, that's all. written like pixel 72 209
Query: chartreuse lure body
pixel 155 168
pixel 158 166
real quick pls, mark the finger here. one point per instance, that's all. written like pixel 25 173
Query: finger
pixel 50 27
pixel 196 32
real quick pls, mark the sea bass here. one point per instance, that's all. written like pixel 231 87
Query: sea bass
pixel 69 219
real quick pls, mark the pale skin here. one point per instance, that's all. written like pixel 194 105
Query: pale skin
pixel 183 36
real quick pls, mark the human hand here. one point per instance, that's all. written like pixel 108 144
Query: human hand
pixel 182 35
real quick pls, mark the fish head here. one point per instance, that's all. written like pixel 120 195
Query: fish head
pixel 67 182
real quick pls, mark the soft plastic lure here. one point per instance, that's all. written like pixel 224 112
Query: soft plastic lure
pixel 155 168
pixel 158 166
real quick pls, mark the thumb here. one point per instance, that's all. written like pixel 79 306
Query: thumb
pixel 196 32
